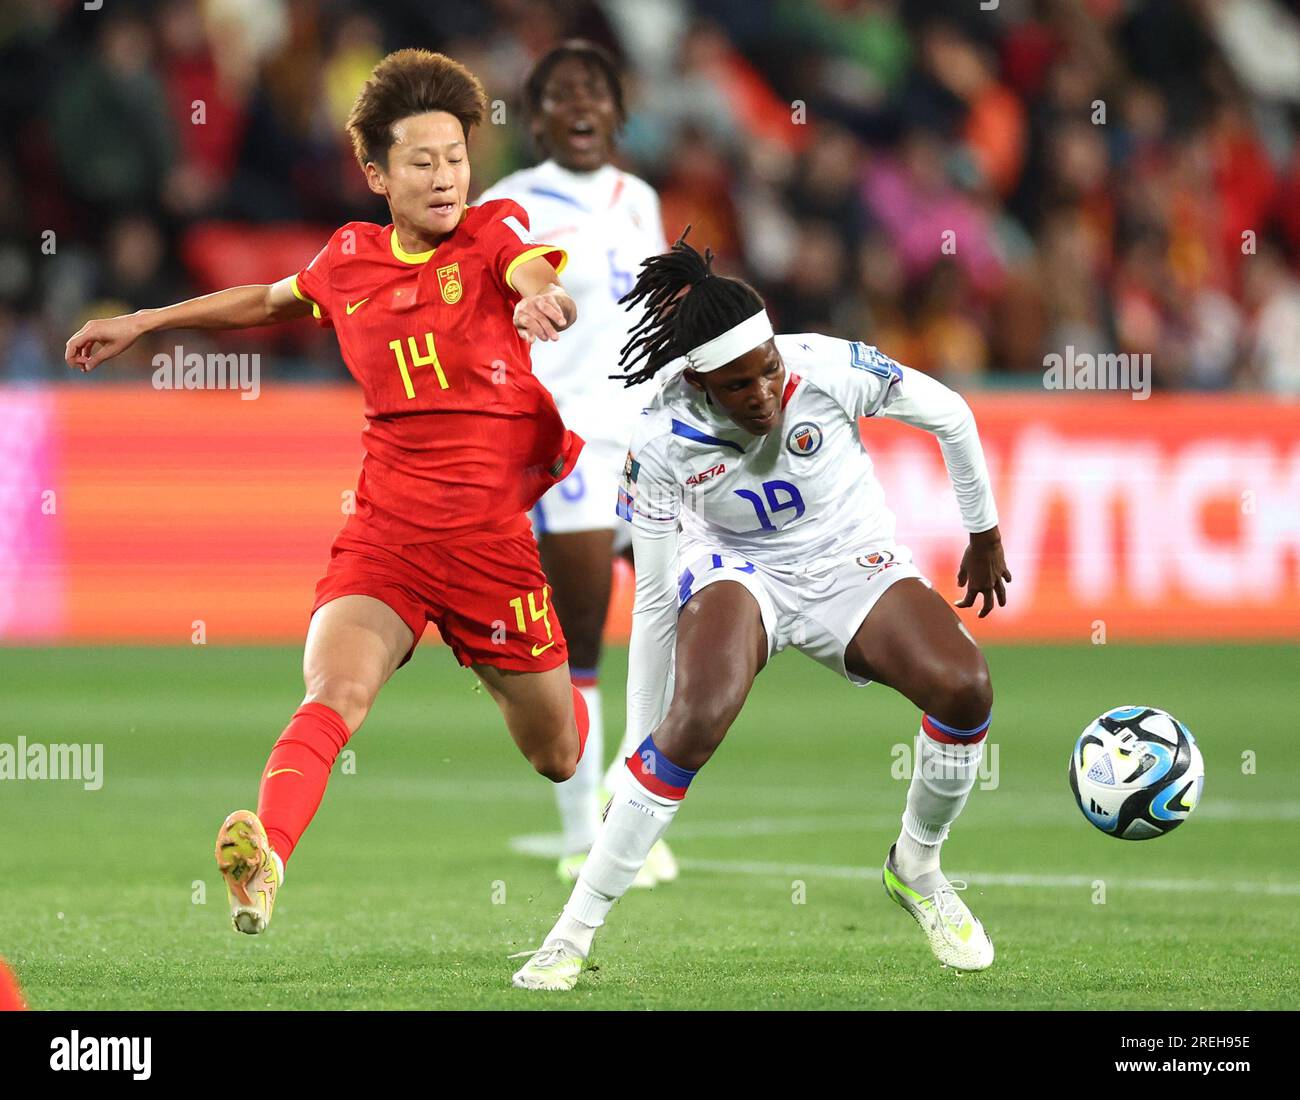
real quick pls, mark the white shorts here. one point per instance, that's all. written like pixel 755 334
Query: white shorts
pixel 817 613
pixel 585 500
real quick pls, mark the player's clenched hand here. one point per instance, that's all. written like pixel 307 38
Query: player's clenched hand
pixel 544 316
pixel 984 571
pixel 102 339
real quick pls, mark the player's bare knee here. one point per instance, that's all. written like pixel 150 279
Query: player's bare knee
pixel 348 697
pixel 555 771
pixel 693 731
pixel 964 695
pixel 556 763
pixel 553 752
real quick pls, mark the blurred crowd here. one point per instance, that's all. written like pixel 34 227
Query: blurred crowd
pixel 970 189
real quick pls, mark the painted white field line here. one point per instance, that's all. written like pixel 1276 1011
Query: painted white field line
pixel 980 878
pixel 551 845
pixel 1046 804
pixel 1249 811
pixel 781 826
pixel 543 845
pixel 1013 808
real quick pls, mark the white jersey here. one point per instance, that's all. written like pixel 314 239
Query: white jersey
pixel 805 495
pixel 794 503
pixel 608 221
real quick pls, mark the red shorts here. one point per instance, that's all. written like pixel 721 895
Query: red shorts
pixel 487 596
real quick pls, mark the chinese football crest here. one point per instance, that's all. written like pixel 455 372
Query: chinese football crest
pixel 449 283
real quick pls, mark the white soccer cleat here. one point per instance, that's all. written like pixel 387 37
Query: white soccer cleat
pixel 555 966
pixel 645 879
pixel 955 935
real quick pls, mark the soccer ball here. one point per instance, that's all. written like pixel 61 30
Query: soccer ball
pixel 1136 773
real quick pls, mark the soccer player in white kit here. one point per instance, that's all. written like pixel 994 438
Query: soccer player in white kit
pixel 758 524
pixel 608 221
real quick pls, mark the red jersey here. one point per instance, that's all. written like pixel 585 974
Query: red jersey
pixel 460 437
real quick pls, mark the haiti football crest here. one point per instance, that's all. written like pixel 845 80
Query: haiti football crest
pixel 449 281
pixel 876 562
pixel 804 439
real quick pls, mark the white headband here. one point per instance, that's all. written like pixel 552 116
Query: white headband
pixel 721 350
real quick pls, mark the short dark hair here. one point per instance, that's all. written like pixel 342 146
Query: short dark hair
pixel 411 82
pixel 591 55
pixel 686 305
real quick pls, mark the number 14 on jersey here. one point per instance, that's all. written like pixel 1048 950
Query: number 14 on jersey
pixel 427 358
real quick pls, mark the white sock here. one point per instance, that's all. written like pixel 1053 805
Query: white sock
pixel 636 820
pixel 942 779
pixel 279 863
pixel 577 798
pixel 630 743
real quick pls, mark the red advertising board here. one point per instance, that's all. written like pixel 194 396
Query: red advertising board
pixel 132 514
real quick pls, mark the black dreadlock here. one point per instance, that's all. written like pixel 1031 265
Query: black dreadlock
pixel 686 305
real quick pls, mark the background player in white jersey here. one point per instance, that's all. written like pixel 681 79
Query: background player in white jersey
pixel 756 515
pixel 608 221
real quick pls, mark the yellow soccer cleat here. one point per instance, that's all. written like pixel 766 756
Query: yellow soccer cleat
pixel 252 871
pixel 661 863
pixel 554 966
pixel 570 867
pixel 955 936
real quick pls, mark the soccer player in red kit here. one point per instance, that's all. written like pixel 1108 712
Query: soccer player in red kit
pixel 434 316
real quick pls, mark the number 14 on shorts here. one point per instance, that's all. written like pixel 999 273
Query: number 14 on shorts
pixel 534 613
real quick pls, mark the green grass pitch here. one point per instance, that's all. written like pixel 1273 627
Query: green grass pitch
pixel 413 885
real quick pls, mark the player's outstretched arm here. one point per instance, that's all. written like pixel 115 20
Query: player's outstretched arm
pixel 238 307
pixel 926 403
pixel 545 310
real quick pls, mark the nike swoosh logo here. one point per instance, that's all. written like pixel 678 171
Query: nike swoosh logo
pixel 539 650
pixel 281 771
pixel 353 308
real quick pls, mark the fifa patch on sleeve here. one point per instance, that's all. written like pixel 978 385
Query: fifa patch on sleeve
pixel 874 361
pixel 518 227
pixel 631 469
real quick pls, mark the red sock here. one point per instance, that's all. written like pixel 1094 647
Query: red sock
pixel 295 776
pixel 582 718
pixel 11 998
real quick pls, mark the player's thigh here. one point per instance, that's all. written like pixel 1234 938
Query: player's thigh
pixel 538 711
pixel 578 566
pixel 722 645
pixel 914 642
pixel 354 644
